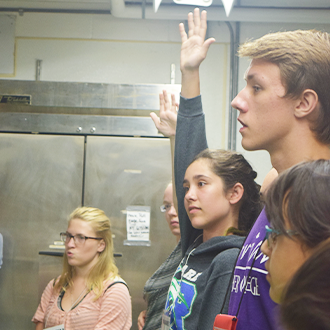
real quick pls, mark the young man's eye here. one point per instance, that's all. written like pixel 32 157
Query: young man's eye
pixel 256 88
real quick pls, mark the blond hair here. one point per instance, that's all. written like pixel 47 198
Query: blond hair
pixel 304 62
pixel 105 267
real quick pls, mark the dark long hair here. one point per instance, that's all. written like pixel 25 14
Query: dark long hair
pixel 301 195
pixel 232 168
pixel 306 301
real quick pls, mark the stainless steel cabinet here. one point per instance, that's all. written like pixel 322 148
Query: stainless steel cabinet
pixel 131 171
pixel 40 183
pixel 44 177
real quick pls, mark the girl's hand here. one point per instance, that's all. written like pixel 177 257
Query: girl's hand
pixel 166 122
pixel 194 46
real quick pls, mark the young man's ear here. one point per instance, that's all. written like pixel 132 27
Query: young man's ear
pixel 236 193
pixel 306 103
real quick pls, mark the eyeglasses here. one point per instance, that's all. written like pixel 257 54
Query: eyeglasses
pixel 78 239
pixel 165 207
pixel 271 235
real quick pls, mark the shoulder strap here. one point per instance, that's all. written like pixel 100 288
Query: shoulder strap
pixel 113 283
pixel 55 279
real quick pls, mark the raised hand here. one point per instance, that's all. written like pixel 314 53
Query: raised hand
pixel 194 46
pixel 193 51
pixel 166 122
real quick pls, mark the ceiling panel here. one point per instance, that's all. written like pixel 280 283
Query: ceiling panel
pixel 57 4
pixel 99 4
pixel 246 10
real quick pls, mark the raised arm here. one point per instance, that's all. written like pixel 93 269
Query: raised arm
pixel 166 124
pixel 190 131
pixel 193 51
pixel 189 137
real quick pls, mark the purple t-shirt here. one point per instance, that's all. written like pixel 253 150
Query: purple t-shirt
pixel 257 311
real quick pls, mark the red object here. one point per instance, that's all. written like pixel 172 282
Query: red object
pixel 225 322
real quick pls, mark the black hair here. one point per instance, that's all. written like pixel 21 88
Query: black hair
pixel 301 196
pixel 232 168
pixel 306 301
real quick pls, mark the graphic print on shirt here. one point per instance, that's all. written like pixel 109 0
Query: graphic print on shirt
pixel 181 297
pixel 241 278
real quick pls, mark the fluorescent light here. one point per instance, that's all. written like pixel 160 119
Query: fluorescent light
pixel 156 4
pixel 228 4
pixel 199 3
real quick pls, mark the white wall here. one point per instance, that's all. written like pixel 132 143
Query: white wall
pixel 7 42
pixel 105 49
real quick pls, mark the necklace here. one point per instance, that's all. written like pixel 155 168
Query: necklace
pixel 74 303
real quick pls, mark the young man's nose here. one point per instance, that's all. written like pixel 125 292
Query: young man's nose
pixel 238 102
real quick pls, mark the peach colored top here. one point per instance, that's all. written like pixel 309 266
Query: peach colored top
pixel 112 310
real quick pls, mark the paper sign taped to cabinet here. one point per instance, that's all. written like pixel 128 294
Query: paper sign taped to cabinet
pixel 138 224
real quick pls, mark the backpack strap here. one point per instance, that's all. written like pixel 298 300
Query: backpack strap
pixel 113 283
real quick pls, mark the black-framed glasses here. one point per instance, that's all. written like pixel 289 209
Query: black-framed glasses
pixel 271 235
pixel 165 207
pixel 78 239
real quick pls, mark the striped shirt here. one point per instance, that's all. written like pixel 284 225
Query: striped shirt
pixel 111 311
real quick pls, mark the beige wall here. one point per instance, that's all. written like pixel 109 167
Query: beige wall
pixel 105 49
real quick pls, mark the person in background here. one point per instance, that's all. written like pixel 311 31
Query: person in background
pixel 89 294
pixel 298 209
pixel 169 210
pixel 155 289
pixel 217 196
pixel 221 202
pixel 283 109
pixel 306 301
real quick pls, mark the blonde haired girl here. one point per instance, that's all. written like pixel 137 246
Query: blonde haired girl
pixel 89 294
